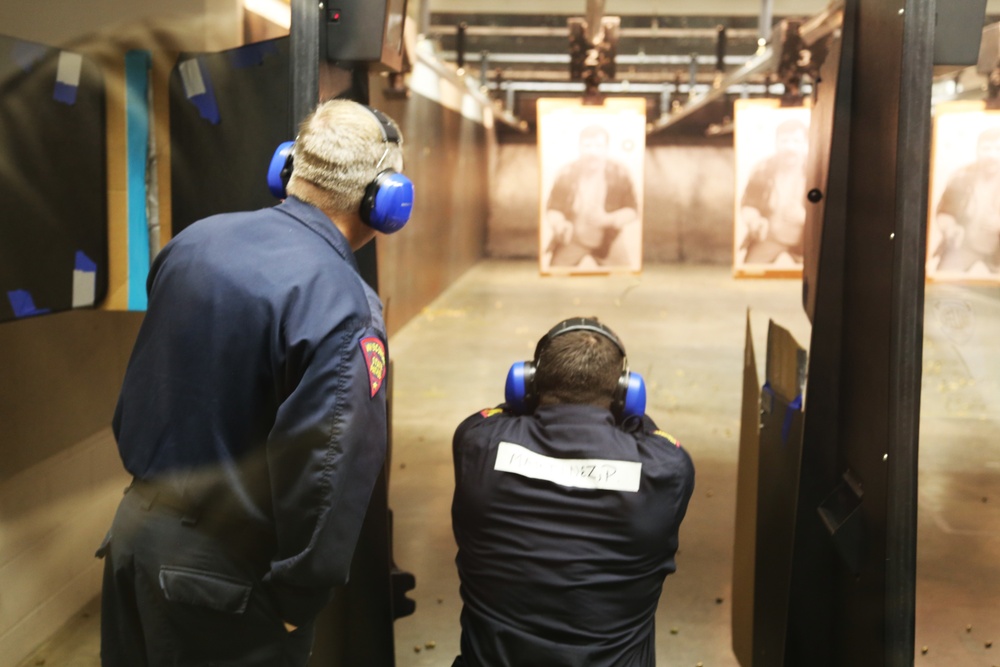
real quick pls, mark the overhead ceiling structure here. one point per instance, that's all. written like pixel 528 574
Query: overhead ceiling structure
pixel 671 60
pixel 689 60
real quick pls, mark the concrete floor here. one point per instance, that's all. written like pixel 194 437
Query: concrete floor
pixel 684 329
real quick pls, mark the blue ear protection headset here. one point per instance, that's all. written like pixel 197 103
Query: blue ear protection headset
pixel 522 395
pixel 388 199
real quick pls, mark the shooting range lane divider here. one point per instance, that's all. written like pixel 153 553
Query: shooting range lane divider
pixel 54 185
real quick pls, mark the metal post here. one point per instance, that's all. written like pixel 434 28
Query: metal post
pixel 720 55
pixel 484 66
pixel 424 17
pixel 460 44
pixel 720 48
pixel 304 59
pixel 692 74
pixel 595 12
pixel 766 20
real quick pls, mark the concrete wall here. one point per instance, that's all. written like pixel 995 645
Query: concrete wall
pixel 688 203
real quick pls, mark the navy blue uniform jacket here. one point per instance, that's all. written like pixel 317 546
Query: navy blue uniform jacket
pixel 254 392
pixel 560 565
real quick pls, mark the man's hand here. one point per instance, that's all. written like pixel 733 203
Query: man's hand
pixel 755 223
pixel 562 231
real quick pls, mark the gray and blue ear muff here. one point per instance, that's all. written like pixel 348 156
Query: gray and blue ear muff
pixel 388 199
pixel 633 401
pixel 522 397
pixel 518 388
pixel 388 202
pixel 280 169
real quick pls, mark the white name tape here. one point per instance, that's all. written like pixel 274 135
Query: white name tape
pixel 579 473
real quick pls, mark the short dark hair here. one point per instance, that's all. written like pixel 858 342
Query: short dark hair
pixel 580 367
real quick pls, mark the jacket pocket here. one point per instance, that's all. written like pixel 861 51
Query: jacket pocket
pixel 205 589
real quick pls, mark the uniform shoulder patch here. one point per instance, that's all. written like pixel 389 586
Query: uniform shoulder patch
pixel 489 412
pixel 374 351
pixel 669 438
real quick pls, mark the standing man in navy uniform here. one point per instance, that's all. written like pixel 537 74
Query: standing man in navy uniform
pixel 252 414
pixel 567 505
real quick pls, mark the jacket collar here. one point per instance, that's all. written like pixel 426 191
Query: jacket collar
pixel 318 222
pixel 562 412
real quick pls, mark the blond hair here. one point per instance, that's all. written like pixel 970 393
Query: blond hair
pixel 340 149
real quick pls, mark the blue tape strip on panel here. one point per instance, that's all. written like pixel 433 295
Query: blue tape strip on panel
pixel 137 64
pixel 786 427
pixel 84 263
pixel 23 305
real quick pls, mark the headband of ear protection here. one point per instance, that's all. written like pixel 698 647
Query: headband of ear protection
pixel 521 393
pixel 388 199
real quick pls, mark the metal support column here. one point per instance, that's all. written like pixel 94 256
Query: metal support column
pixel 766 20
pixel 304 60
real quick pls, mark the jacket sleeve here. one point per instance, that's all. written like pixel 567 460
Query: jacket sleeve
pixel 325 452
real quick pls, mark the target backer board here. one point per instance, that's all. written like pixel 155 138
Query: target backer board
pixel 597 211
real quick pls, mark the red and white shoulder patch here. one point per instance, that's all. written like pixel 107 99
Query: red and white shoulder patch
pixel 374 351
pixel 671 439
pixel 489 412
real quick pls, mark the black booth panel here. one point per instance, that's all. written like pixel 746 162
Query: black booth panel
pixel 53 180
pixel 229 111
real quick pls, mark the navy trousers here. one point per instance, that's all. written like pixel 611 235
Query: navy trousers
pixel 176 595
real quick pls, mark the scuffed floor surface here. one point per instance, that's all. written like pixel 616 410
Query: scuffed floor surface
pixel 684 330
